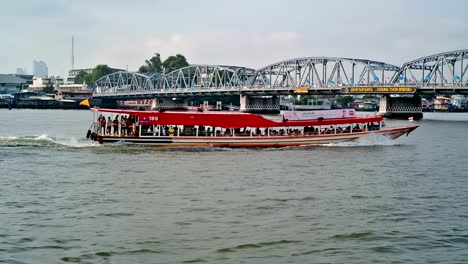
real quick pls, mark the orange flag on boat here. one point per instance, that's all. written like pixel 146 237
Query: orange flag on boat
pixel 85 102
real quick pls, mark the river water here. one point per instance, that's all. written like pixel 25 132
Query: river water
pixel 64 199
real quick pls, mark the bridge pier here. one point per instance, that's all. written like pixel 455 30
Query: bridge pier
pixel 259 104
pixel 104 103
pixel 401 107
pixel 165 103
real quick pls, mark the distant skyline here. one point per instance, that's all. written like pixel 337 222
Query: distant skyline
pixel 247 33
pixel 40 69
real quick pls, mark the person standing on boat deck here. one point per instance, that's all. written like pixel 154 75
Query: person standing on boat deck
pixel 171 131
pixel 115 123
pixel 109 125
pixel 123 125
pixel 103 125
pixel 129 125
pixel 99 124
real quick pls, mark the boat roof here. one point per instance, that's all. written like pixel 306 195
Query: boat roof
pixel 229 119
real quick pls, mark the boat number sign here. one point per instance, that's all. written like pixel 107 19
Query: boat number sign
pixel 146 120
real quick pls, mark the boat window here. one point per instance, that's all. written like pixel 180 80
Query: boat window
pixel 188 131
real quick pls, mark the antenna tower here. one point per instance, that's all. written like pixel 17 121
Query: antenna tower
pixel 73 53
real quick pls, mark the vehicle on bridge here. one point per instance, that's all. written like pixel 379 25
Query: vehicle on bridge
pixel 229 129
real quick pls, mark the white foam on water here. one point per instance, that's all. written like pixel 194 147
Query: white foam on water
pixel 366 141
pixel 7 138
pixel 45 140
pixel 44 137
pixel 76 143
pixel 26 140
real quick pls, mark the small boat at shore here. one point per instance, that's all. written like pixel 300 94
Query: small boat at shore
pixel 234 129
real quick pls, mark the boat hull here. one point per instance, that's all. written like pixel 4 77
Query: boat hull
pixel 254 141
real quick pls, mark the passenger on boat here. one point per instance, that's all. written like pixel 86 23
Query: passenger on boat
pixel 123 125
pixel 201 131
pixel 109 125
pixel 102 122
pixel 129 125
pixel 98 123
pixel 171 131
pixel 372 127
pixel 115 124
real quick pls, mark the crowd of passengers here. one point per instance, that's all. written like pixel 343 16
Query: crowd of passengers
pixel 209 131
pixel 111 126
pixel 127 126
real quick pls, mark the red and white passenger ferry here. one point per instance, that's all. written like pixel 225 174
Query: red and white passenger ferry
pixel 234 129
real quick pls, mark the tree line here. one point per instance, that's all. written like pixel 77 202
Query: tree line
pixel 172 63
pixel 152 65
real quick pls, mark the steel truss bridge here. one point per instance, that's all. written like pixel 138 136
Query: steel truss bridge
pixel 439 73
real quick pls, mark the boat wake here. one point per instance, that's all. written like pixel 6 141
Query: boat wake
pixel 366 141
pixel 44 141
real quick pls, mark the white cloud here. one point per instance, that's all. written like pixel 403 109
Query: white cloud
pixel 251 49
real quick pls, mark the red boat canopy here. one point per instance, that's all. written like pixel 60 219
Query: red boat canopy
pixel 229 119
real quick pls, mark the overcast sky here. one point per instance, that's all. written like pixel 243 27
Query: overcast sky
pixel 247 33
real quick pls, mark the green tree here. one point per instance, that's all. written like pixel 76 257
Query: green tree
pixel 344 100
pixel 99 71
pixel 90 78
pixel 173 63
pixel 303 99
pixel 49 88
pixel 152 65
pixel 80 77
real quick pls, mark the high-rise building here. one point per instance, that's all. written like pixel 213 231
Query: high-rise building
pixel 20 70
pixel 40 69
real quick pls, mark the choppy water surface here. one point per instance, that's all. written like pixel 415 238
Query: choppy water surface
pixel 64 199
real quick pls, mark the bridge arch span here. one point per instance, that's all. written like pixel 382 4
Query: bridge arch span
pixel 208 76
pixel 323 72
pixel 123 82
pixel 199 77
pixel 441 69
